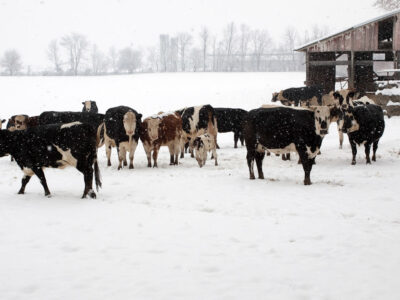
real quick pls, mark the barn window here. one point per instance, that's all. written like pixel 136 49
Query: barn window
pixel 385 34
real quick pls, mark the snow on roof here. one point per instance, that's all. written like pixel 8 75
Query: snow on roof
pixel 385 16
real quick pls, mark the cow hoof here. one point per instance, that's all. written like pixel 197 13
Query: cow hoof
pixel 307 182
pixel 92 195
pixel 171 164
pixel 131 167
pixel 125 163
pixel 119 168
pixel 368 162
pixel 192 155
pixel 155 166
pixel 261 177
pixel 252 177
pixel 373 159
pixel 48 195
pixel 353 163
pixel 21 193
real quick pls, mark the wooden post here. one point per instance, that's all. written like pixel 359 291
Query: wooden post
pixel 396 61
pixel 351 70
pixel 307 68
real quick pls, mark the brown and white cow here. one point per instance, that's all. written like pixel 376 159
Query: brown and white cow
pixel 163 129
pixel 202 145
pixel 22 122
pixel 90 106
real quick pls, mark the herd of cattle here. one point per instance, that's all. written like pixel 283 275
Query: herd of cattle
pixel 59 139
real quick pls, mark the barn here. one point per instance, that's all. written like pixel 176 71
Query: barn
pixel 359 49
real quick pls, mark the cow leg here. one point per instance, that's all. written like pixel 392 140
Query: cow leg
pixel 131 154
pixel 340 139
pixel 375 147
pixel 39 173
pixel 259 160
pixel 171 149
pixel 214 151
pixel 148 154
pixel 86 168
pixel 155 155
pixel 235 138
pixel 191 148
pixel 241 137
pixel 367 151
pixel 121 156
pixel 353 150
pixel 250 162
pixel 25 181
pixel 108 153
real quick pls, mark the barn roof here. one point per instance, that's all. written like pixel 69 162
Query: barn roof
pixel 374 20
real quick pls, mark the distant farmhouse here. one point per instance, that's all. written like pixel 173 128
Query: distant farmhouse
pixel 360 49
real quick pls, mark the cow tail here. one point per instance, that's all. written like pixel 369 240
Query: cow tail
pixel 97 174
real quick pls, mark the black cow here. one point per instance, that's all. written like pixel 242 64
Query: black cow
pixel 63 117
pixel 90 106
pixel 297 95
pixel 231 120
pixel 197 120
pixel 53 146
pixel 122 130
pixel 364 124
pixel 283 130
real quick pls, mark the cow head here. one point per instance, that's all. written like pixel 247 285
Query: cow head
pixel 129 121
pixel 152 128
pixel 274 97
pixel 350 124
pixel 20 122
pixel 200 151
pixel 344 98
pixel 322 118
pixel 89 106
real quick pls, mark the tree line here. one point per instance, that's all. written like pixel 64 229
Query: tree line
pixel 238 48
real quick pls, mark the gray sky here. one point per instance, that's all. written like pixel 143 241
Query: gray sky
pixel 29 25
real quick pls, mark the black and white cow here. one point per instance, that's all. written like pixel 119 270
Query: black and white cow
pixel 64 117
pixel 53 146
pixel 122 130
pixel 197 120
pixel 284 130
pixel 295 96
pixel 364 124
pixel 90 106
pixel 231 120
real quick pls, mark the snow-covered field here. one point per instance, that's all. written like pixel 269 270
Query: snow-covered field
pixel 188 233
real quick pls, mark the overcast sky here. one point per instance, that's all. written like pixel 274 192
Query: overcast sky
pixel 29 25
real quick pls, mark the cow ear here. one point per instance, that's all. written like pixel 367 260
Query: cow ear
pixel 3 121
pixel 139 116
pixel 336 95
pixel 83 103
pixel 351 94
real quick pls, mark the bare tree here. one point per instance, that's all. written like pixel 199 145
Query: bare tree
pixel 387 4
pixel 244 43
pixel 76 45
pixel 173 55
pixel 261 40
pixel 113 59
pixel 184 40
pixel 204 36
pixel 53 54
pixel 164 52
pixel 99 61
pixel 129 60
pixel 196 59
pixel 11 61
pixel 153 59
pixel 229 40
pixel 290 41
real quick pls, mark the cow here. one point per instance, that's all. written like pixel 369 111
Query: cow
pixel 203 144
pixel 283 130
pixel 231 120
pixel 22 122
pixel 1 123
pixel 295 96
pixel 363 101
pixel 64 117
pixel 122 130
pixel 197 120
pixel 90 106
pixel 163 129
pixel 364 124
pixel 53 146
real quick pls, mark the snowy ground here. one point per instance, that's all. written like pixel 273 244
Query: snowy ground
pixel 188 233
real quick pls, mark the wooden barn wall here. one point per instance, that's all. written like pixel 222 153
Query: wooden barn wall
pixel 396 34
pixel 321 75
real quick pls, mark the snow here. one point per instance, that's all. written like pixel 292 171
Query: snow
pixel 181 232
pixel 391 103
